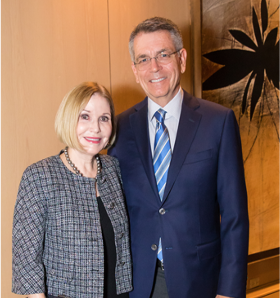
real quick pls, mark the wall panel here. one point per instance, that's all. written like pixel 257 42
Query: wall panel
pixel 48 47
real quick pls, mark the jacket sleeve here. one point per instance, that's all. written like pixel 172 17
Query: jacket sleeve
pixel 28 236
pixel 232 198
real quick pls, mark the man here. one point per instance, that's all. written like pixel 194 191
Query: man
pixel 183 179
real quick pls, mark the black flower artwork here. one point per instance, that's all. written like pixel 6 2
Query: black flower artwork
pixel 263 58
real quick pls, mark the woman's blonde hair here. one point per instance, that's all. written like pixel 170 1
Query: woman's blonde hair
pixel 70 108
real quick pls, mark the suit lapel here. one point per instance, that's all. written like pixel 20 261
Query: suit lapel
pixel 139 124
pixel 188 125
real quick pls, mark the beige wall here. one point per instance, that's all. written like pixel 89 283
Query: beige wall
pixel 50 46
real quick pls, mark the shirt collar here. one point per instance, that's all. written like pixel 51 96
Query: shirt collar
pixel 173 108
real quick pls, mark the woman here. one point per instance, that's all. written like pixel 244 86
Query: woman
pixel 70 232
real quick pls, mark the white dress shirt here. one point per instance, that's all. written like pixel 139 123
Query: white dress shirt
pixel 171 121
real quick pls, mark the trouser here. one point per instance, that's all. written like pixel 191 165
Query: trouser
pixel 159 288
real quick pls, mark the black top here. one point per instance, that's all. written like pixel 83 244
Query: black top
pixel 109 254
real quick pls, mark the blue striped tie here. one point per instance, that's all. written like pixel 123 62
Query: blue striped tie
pixel 161 161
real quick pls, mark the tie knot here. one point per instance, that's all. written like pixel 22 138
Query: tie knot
pixel 160 115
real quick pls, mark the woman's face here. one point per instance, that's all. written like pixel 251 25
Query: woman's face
pixel 94 126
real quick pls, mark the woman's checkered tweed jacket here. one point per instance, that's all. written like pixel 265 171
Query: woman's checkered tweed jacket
pixel 57 237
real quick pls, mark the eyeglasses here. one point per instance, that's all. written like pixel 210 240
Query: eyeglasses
pixel 161 58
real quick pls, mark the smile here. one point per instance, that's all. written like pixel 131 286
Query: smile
pixel 158 80
pixel 93 140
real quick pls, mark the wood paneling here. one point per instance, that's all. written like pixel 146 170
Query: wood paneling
pixel 271 291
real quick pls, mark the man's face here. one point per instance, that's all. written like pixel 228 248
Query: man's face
pixel 160 82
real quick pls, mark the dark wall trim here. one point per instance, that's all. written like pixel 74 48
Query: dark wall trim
pixel 263 255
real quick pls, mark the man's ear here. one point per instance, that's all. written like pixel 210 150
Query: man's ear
pixel 134 69
pixel 183 60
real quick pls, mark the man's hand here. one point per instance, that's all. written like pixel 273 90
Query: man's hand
pixel 42 295
pixel 220 296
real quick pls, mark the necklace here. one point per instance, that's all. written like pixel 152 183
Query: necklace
pixel 72 165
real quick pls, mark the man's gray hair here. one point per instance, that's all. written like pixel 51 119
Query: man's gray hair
pixel 156 24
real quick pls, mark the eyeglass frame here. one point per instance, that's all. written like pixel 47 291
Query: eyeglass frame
pixel 150 58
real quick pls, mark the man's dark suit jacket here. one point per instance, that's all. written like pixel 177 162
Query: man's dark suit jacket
pixel 203 217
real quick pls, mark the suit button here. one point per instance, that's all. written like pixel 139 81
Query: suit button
pixel 154 247
pixel 122 263
pixel 162 211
